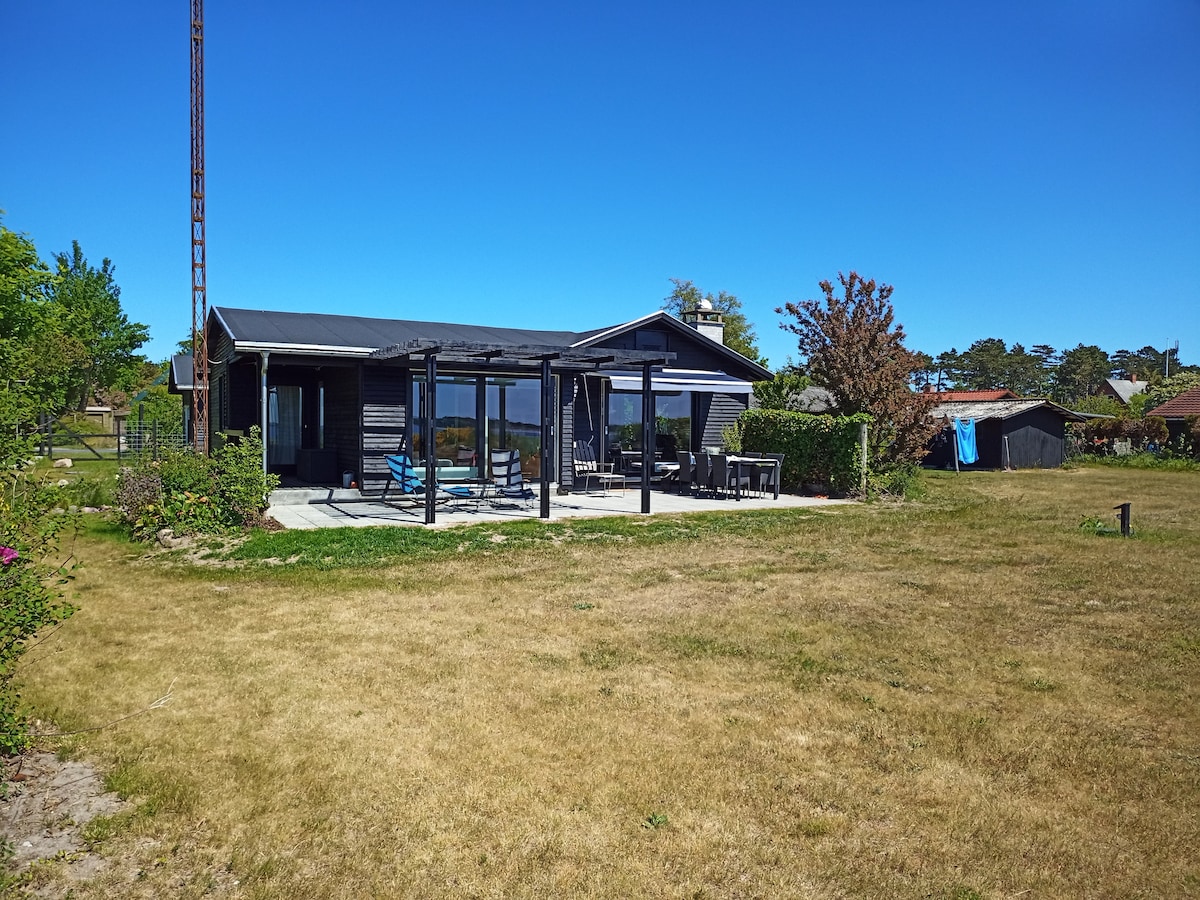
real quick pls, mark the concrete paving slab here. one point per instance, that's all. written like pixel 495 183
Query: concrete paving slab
pixel 349 509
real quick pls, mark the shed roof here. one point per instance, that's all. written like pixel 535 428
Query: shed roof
pixel 1186 404
pixel 997 409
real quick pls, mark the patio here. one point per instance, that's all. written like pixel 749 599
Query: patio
pixel 307 508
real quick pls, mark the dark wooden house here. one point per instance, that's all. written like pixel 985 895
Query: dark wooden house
pixel 334 394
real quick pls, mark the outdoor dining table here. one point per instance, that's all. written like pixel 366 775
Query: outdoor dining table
pixel 756 462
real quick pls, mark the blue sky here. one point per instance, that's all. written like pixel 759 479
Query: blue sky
pixel 1028 171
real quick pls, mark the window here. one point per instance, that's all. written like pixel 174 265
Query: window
pixel 672 422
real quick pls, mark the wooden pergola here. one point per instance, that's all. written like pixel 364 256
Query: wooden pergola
pixel 549 359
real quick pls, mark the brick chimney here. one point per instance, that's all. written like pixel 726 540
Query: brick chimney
pixel 706 320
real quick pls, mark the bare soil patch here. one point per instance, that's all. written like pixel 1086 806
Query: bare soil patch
pixel 47 802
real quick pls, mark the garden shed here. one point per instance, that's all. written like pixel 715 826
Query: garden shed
pixel 1009 433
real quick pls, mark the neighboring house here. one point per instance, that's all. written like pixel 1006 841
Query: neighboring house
pixel 1178 410
pixel 337 393
pixel 1121 389
pixel 1000 394
pixel 815 399
pixel 1009 433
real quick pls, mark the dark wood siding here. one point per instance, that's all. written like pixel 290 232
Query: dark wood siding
pixel 570 395
pixel 714 412
pixel 384 413
pixel 1036 439
pixel 244 404
pixel 341 417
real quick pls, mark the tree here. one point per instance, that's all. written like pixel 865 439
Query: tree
pixel 23 279
pixel 1169 388
pixel 783 391
pixel 98 339
pixel 984 365
pixel 1081 372
pixel 739 333
pixel 854 350
pixel 1027 374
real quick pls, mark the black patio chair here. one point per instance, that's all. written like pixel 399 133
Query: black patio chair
pixel 702 474
pixel 725 476
pixel 687 471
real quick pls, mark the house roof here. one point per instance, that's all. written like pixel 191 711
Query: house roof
pixel 666 320
pixel 1001 394
pixel 256 329
pixel 1186 404
pixel 357 336
pixel 997 409
pixel 1124 388
pixel 183 375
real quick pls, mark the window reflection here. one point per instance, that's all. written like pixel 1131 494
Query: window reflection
pixel 672 422
pixel 512 421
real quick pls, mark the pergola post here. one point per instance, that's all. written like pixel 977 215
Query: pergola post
pixel 430 427
pixel 547 435
pixel 647 435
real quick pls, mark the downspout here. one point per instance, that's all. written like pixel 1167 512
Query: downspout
pixel 264 354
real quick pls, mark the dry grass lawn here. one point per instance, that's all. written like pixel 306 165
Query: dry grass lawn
pixel 965 697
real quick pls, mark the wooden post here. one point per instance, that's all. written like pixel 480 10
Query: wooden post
pixel 862 449
pixel 954 426
pixel 647 436
pixel 430 424
pixel 547 437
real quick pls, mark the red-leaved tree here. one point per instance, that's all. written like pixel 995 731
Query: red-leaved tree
pixel 854 349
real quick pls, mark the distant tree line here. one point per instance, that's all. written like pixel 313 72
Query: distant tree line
pixel 1068 376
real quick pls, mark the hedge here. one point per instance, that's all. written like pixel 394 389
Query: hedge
pixel 817 449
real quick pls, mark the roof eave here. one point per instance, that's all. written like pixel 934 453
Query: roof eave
pixel 302 349
pixel 672 322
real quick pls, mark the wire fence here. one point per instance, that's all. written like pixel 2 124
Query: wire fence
pixel 140 438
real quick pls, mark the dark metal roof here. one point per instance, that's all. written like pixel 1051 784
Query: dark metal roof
pixel 253 329
pixel 183 375
pixel 288 329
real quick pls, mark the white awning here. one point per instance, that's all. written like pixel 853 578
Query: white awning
pixel 673 380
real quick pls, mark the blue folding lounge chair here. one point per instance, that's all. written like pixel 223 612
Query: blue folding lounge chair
pixel 413 487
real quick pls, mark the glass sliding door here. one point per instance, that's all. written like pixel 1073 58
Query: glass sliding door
pixel 511 420
pixel 456 425
pixel 514 419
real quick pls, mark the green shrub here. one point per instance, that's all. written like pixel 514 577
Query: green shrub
pixel 816 448
pixel 193 494
pixel 31 581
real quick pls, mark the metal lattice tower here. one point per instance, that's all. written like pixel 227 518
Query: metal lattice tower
pixel 199 297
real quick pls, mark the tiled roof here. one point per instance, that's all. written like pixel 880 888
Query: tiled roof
pixel 1002 394
pixel 1186 404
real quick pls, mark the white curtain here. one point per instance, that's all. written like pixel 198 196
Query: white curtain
pixel 283 422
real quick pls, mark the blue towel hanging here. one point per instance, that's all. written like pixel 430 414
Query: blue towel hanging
pixel 965 431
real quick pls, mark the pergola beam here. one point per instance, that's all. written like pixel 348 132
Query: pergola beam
pixel 547 358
